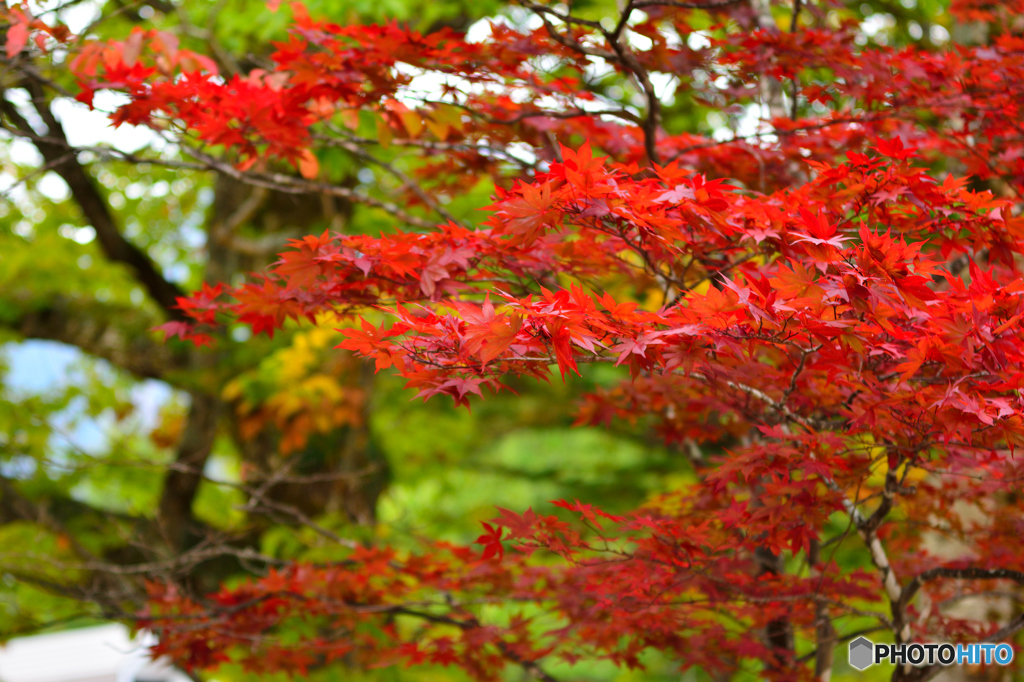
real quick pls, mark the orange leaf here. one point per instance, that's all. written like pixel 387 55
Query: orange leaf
pixel 309 166
pixel 17 36
pixel 412 123
pixel 350 117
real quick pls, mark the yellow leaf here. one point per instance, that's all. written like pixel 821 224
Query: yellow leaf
pixel 384 134
pixel 232 390
pixel 412 123
pixel 448 115
pixel 440 130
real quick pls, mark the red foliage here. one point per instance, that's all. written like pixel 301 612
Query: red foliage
pixel 835 310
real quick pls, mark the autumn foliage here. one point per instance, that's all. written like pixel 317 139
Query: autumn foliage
pixel 823 317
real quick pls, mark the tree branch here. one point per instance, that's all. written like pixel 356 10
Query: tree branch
pixel 293 185
pixel 529 666
pixel 174 515
pixel 966 573
pixel 77 324
pixel 91 202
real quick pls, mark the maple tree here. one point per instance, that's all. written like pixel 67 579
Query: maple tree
pixel 822 317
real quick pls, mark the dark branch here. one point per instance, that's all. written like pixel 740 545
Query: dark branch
pixel 181 484
pixel 967 573
pixel 472 623
pixel 91 201
pixel 77 324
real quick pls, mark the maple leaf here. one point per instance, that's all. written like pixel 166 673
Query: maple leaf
pixel 797 286
pixel 371 341
pixel 302 266
pixel 491 541
pixel 588 511
pixel 717 306
pixel 519 525
pixel 525 215
pixel 487 334
pixel 561 344
pixel 185 332
pixel 820 230
pixel 677 195
pixel 894 149
pixel 637 346
pixel 582 160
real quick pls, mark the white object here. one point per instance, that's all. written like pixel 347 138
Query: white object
pixel 103 653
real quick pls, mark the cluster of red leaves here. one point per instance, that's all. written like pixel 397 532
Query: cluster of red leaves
pixel 672 576
pixel 22 25
pixel 820 327
pixel 881 318
pixel 839 312
pixel 491 92
pixel 651 580
pixel 969 98
pixel 324 69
